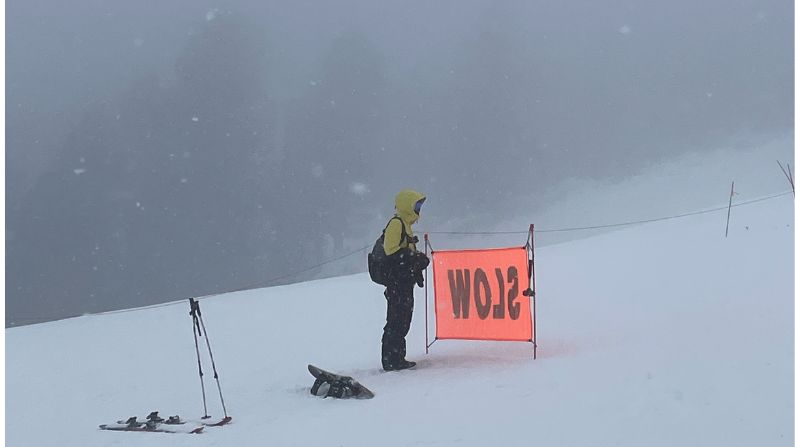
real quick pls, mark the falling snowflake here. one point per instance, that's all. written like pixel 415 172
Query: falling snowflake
pixel 625 29
pixel 79 171
pixel 317 171
pixel 360 189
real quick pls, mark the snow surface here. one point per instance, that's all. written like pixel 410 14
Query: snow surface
pixel 664 334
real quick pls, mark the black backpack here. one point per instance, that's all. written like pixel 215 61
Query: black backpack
pixel 377 262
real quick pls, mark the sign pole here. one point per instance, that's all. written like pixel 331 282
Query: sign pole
pixel 426 298
pixel 533 292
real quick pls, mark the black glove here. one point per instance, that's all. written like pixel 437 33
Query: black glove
pixel 418 277
pixel 422 261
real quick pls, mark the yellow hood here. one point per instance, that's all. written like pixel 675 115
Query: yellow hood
pixel 404 205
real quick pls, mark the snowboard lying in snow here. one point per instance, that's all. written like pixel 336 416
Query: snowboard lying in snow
pixel 328 384
pixel 174 424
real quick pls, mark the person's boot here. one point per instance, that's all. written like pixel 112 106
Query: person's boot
pixel 390 365
pixel 406 364
pixel 401 364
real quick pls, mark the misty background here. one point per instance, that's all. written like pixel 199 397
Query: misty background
pixel 161 150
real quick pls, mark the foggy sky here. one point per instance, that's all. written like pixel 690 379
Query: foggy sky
pixel 160 150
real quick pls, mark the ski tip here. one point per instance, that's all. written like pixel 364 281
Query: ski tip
pixel 223 421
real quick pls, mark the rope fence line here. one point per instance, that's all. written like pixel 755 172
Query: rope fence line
pixel 659 219
pixel 288 275
pixel 613 225
pixel 349 254
pixel 241 289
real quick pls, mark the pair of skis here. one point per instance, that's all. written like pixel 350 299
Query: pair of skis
pixel 174 424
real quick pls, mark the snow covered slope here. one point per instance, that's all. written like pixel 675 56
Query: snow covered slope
pixel 665 334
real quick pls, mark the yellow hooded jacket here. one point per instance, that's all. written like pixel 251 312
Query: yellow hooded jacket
pixel 404 209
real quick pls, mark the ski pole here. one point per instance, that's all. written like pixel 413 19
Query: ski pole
pixel 194 310
pixel 212 361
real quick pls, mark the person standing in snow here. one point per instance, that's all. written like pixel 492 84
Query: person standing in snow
pixel 405 269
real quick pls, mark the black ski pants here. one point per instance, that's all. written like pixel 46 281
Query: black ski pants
pixel 399 310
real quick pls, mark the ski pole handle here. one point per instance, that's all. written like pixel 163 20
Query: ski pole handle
pixel 194 307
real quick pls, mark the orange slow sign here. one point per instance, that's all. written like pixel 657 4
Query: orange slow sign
pixel 479 294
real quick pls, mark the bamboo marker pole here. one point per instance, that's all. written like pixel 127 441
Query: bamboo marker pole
pixel 788 174
pixel 729 215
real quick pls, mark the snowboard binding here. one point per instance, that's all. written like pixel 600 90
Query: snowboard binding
pixel 341 389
